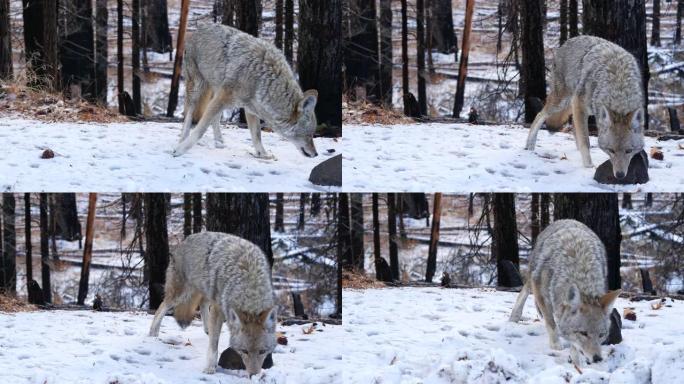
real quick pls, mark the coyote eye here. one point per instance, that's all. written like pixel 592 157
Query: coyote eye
pixel 262 352
pixel 628 151
pixel 584 334
pixel 246 352
pixel 611 151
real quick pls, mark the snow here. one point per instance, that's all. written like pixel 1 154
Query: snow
pixel 462 158
pixel 433 335
pixel 51 347
pixel 136 157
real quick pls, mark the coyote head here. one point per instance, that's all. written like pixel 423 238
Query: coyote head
pixel 620 136
pixel 300 128
pixel 585 322
pixel 252 336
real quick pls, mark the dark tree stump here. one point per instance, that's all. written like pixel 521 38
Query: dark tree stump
pixel 637 173
pixel 328 172
pixel 35 294
pixel 384 272
pixel 615 333
pixel 646 282
pixel 512 275
pixel 298 306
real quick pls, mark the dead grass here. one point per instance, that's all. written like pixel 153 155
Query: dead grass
pixel 362 112
pixel 17 99
pixel 10 304
pixel 356 280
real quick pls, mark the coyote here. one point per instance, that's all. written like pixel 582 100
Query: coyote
pixel 592 76
pixel 567 276
pixel 229 278
pixel 226 67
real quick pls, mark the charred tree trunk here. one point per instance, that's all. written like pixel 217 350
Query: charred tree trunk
pixel 626 201
pixel 319 59
pixel 289 30
pixel 87 250
pixel 302 211
pixel 187 214
pixel 532 75
pixel 119 57
pixel 535 226
pixel 504 236
pixel 5 41
pixel 545 216
pixel 655 26
pixel 600 212
pixel 248 16
pixel 563 21
pixel 101 16
pixel 361 51
pixel 228 15
pixel 8 265
pixel 49 74
pixel 157 35
pixel 45 249
pixel 279 225
pixel 385 86
pixel 434 238
pixel 178 63
pixel 463 65
pixel 420 56
pixel 67 225
pixel 405 60
pixel 442 31
pixel 678 22
pixel 77 51
pixel 315 204
pixel 392 229
pixel 156 245
pixel 376 236
pixel 357 232
pixel 196 212
pixel 135 55
pixel 27 236
pixel 344 240
pixel 279 24
pixel 573 18
pixel 32 12
pixel 624 23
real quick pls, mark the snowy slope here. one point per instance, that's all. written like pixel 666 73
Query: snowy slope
pixel 432 335
pixel 49 347
pixel 466 158
pixel 135 157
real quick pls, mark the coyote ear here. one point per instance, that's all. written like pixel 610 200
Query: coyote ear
pixel 607 300
pixel 573 297
pixel 308 102
pixel 269 317
pixel 637 119
pixel 233 317
pixel 604 114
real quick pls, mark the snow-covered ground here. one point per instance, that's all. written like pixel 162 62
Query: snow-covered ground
pixel 50 347
pixel 466 158
pixel 134 157
pixel 433 335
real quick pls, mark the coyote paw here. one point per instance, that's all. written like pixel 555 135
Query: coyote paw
pixel 219 144
pixel 263 155
pixel 210 370
pixel 556 345
pixel 179 150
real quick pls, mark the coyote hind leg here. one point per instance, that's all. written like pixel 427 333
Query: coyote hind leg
pixel 517 311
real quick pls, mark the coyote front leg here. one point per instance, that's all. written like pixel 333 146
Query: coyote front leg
pixel 215 323
pixel 158 316
pixel 579 119
pixel 255 130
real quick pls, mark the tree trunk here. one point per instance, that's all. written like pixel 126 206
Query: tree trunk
pixel 135 52
pixel 535 226
pixel 5 41
pixel 404 59
pixel 27 241
pixel 655 26
pixel 361 51
pixel 532 76
pixel 315 204
pixel 302 211
pixel 67 226
pixel 376 237
pixel 392 229
pixel 49 73
pixel 545 216
pixel 178 62
pixel 678 22
pixel 77 50
pixel 434 238
pixel 101 16
pixel 420 56
pixel 626 201
pixel 649 200
pixel 119 56
pixel 504 236
pixel 243 214
pixel 279 225
pixel 248 16
pixel 357 232
pixel 279 24
pixel 600 212
pixel 8 267
pixel 228 16
pixel 463 65
pixel 187 214
pixel 573 18
pixel 319 59
pixel 196 212
pixel 385 86
pixel 563 21
pixel 442 31
pixel 344 240
pixel 624 23
pixel 44 248
pixel 87 249
pixel 158 37
pixel 289 30
pixel 156 245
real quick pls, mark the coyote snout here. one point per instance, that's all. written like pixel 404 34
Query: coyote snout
pixel 567 275
pixel 620 137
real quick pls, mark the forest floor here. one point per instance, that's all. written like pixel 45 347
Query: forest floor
pixel 116 157
pixel 50 347
pixel 434 335
pixel 486 158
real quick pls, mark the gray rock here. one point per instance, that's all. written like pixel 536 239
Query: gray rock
pixel 637 173
pixel 230 359
pixel 328 172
